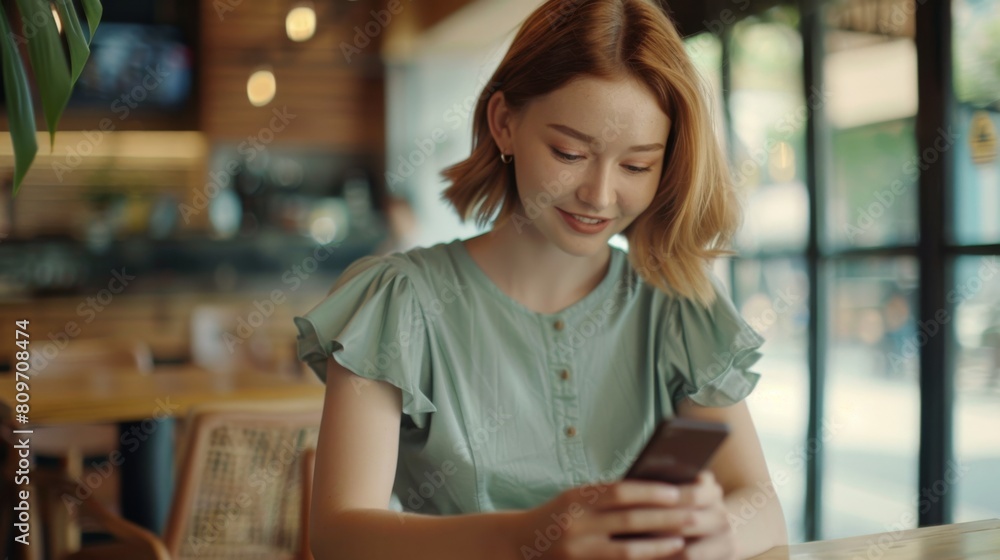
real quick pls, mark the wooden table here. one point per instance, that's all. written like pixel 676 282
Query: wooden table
pixel 978 540
pixel 122 395
pixel 144 406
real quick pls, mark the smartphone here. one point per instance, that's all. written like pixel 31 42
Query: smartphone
pixel 678 449
pixel 676 452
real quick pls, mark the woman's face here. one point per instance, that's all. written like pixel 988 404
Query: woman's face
pixel 592 148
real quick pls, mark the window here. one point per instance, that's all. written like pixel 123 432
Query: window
pixel 880 218
pixel 975 231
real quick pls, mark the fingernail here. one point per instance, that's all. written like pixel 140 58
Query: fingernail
pixel 675 543
pixel 670 494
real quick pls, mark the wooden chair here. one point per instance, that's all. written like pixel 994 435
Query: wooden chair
pixel 68 446
pixel 220 343
pixel 243 490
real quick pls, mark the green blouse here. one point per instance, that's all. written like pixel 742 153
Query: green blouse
pixel 504 407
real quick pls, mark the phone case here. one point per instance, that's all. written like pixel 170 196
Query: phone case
pixel 678 449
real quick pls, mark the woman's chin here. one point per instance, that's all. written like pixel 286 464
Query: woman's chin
pixel 580 245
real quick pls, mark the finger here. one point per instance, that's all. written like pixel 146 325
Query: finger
pixel 709 548
pixel 652 548
pixel 633 493
pixel 707 521
pixel 706 477
pixel 644 520
pixel 703 493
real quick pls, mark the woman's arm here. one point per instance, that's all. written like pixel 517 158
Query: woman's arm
pixel 355 467
pixel 741 471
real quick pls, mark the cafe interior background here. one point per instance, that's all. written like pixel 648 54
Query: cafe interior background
pixel 215 154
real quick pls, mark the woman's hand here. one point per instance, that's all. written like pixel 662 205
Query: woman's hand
pixel 685 522
pixel 581 522
pixel 708 535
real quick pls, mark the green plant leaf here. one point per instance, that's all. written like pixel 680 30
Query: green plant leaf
pixel 79 50
pixel 93 9
pixel 20 109
pixel 48 61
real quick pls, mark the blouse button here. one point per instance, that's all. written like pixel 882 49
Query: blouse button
pixel 564 374
pixel 571 431
pixel 558 325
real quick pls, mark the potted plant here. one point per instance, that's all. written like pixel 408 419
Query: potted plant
pixel 47 42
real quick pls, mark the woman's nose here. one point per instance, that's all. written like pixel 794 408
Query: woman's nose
pixel 597 191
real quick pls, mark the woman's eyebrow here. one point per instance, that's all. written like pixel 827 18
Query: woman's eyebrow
pixel 588 139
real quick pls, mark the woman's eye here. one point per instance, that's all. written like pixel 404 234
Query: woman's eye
pixel 635 169
pixel 566 157
pixel 573 158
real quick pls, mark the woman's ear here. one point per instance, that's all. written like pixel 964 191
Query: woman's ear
pixel 501 121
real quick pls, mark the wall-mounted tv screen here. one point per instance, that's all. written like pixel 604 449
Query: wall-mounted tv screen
pixel 143 67
pixel 133 65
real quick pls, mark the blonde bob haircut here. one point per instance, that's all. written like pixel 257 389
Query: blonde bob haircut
pixel 694 213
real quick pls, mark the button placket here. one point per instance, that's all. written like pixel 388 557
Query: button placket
pixel 568 410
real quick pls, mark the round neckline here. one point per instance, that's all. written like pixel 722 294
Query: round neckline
pixel 472 267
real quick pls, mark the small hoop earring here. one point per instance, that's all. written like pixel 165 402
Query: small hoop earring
pixel 506 158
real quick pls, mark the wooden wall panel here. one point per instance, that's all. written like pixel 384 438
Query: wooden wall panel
pixel 338 105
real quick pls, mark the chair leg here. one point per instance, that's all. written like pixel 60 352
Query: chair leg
pixel 64 533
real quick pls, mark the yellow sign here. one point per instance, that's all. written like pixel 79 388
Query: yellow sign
pixel 983 138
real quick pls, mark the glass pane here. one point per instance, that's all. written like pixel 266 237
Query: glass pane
pixel 768 131
pixel 872 421
pixel 977 387
pixel 773 296
pixel 871 101
pixel 705 50
pixel 976 47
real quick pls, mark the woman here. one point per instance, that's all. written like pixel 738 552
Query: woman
pixel 500 386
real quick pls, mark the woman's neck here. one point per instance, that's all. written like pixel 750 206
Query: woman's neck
pixel 530 269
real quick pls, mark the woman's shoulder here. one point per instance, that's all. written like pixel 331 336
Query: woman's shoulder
pixel 419 267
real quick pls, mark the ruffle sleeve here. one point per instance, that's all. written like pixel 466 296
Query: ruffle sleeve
pixel 371 322
pixel 707 352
